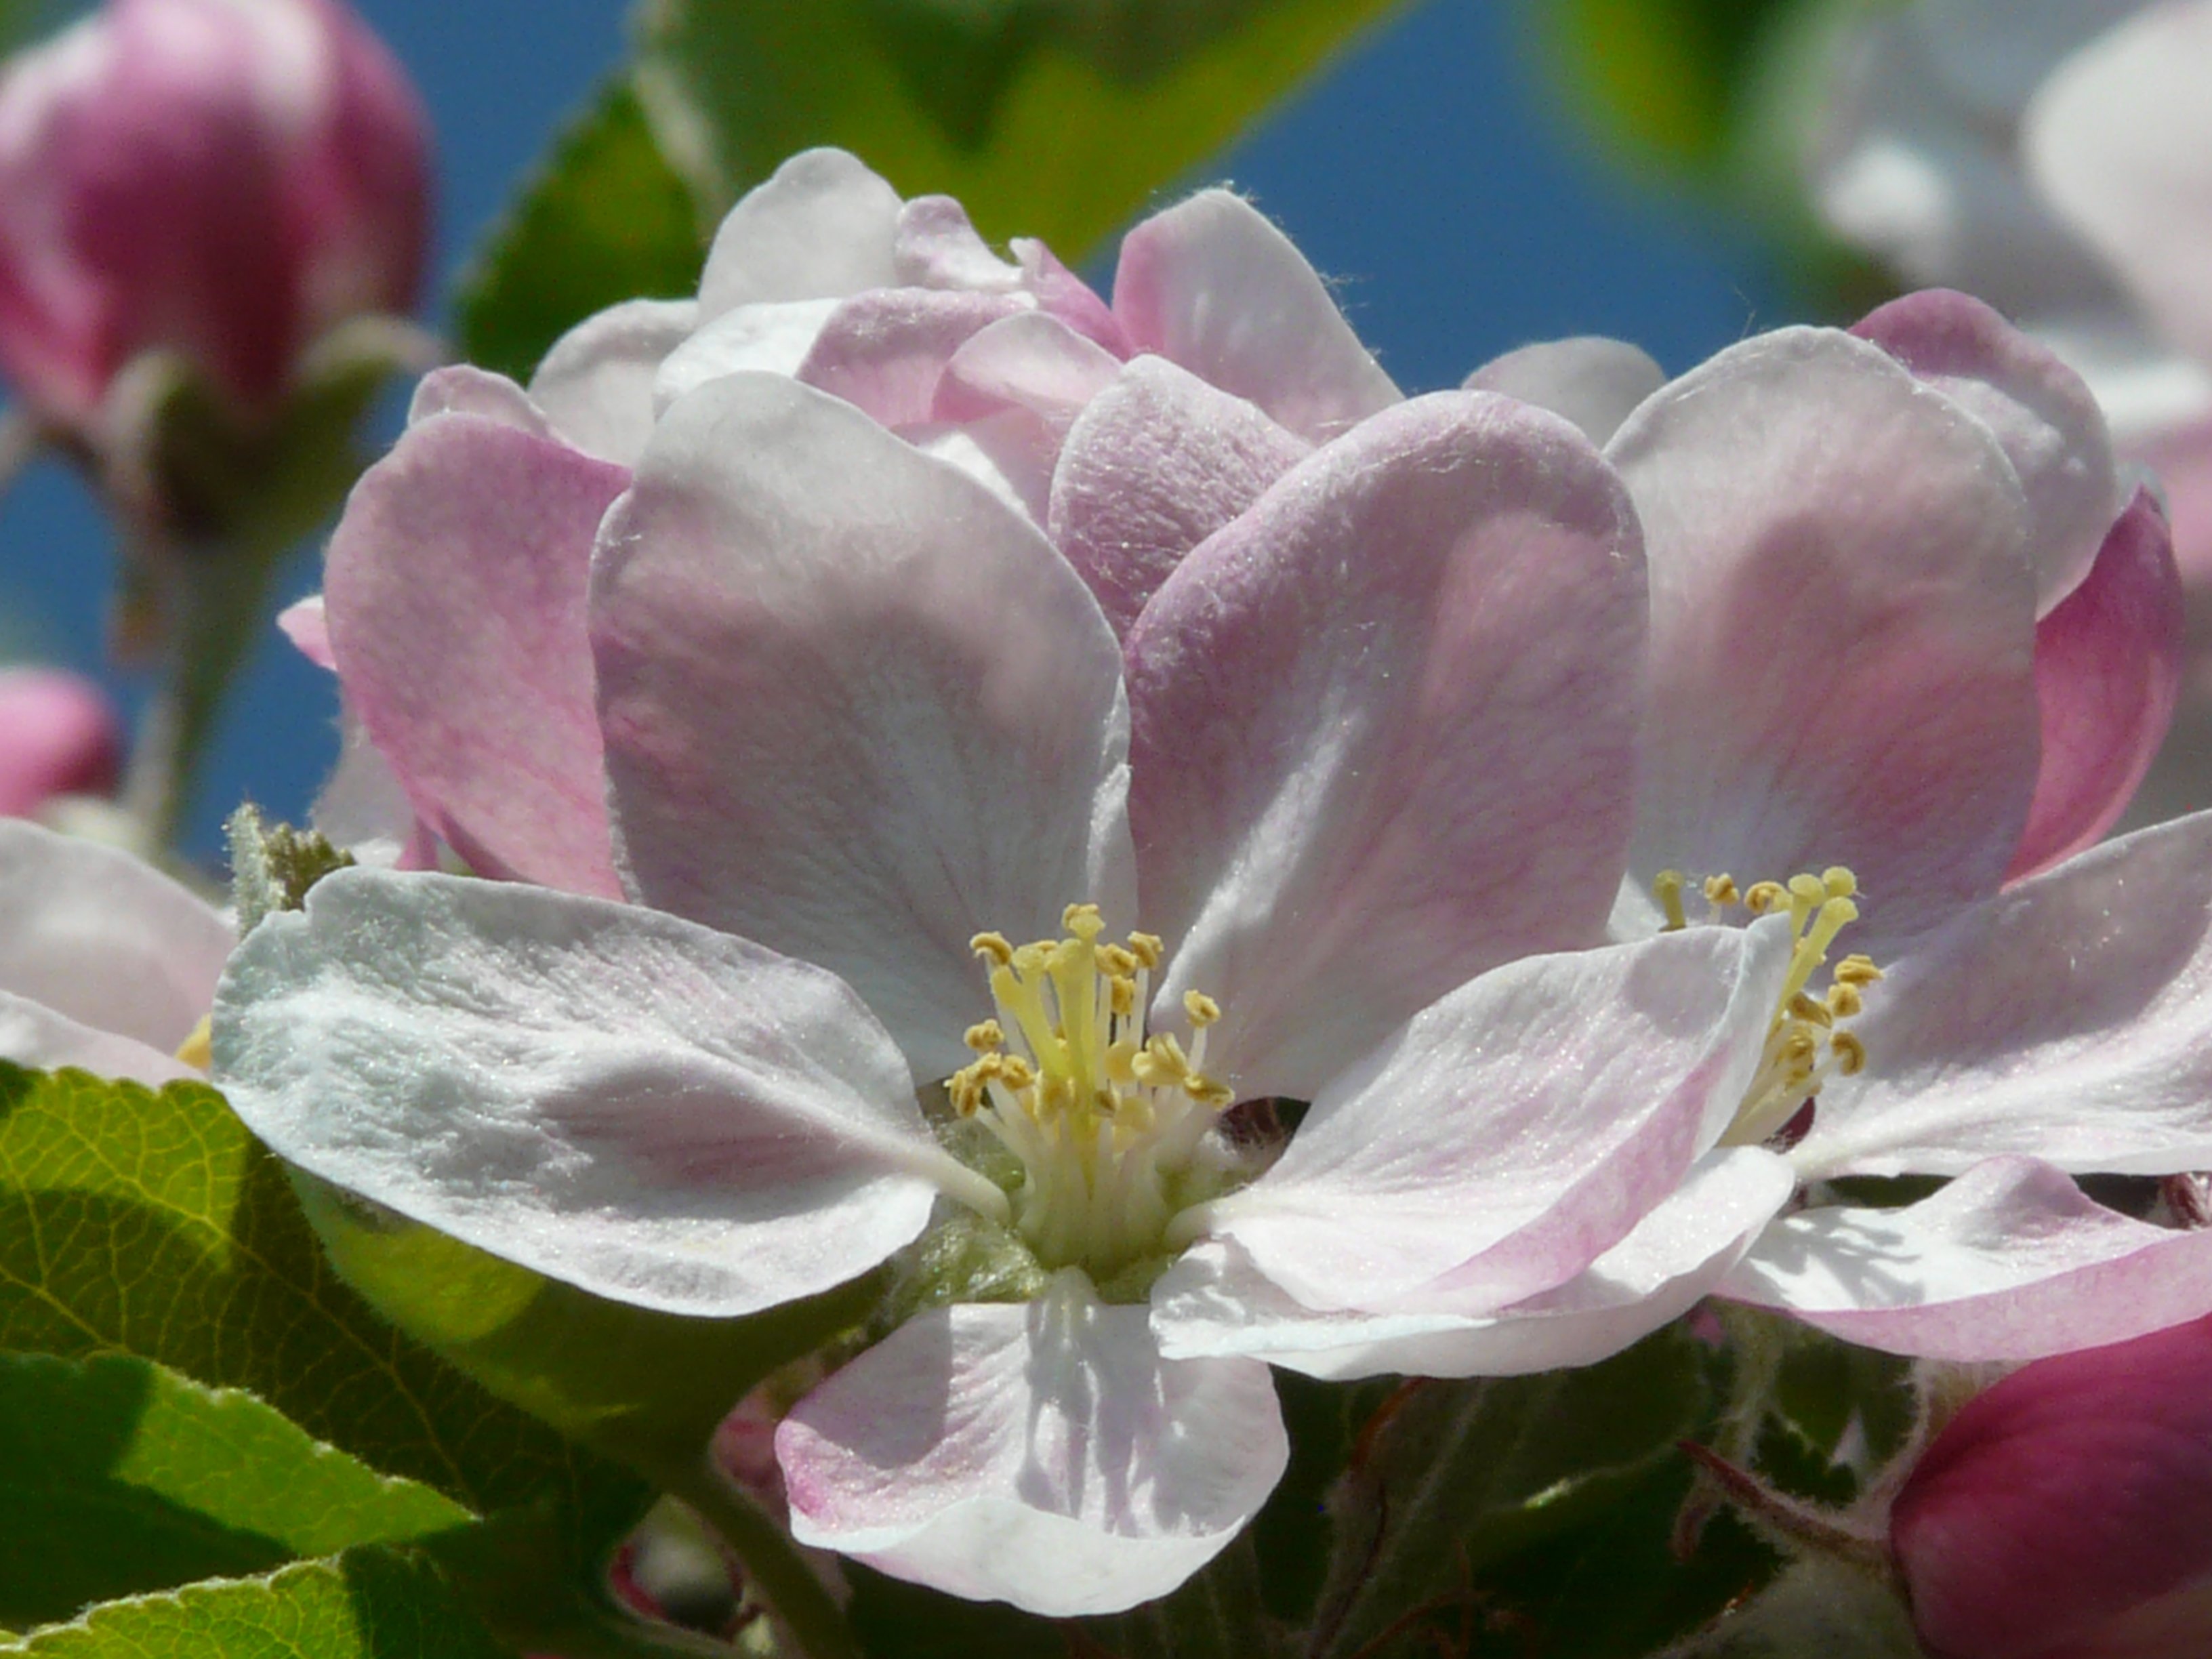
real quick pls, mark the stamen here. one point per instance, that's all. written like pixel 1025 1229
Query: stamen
pixel 1806 1043
pixel 1105 1120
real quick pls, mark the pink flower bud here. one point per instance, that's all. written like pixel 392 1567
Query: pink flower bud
pixel 59 735
pixel 2067 1512
pixel 226 179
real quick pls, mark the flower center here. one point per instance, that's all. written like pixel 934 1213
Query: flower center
pixel 1806 1042
pixel 1109 1123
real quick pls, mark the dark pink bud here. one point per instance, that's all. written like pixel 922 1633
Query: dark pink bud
pixel 2067 1512
pixel 226 179
pixel 59 735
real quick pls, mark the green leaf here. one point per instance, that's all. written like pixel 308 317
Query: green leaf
pixel 1667 77
pixel 1056 118
pixel 649 1387
pixel 119 1477
pixel 1455 1477
pixel 378 1602
pixel 606 220
pixel 154 1224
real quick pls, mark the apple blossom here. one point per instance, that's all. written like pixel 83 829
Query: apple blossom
pixel 59 735
pixel 105 963
pixel 2066 1513
pixel 456 587
pixel 1858 719
pixel 2047 158
pixel 227 180
pixel 890 799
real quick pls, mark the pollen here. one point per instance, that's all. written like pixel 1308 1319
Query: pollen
pixel 1106 1118
pixel 1806 1042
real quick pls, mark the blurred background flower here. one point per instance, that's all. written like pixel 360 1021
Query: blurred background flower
pixel 1427 168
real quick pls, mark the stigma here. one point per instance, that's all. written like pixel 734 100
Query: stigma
pixel 1109 1122
pixel 1808 1037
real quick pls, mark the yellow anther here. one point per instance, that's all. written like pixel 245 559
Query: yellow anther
pixel 1117 961
pixel 1838 882
pixel 1850 1053
pixel 1202 1009
pixel 1121 996
pixel 1215 1096
pixel 1844 1001
pixel 1720 890
pixel 1856 971
pixel 1812 1014
pixel 1031 960
pixel 994 949
pixel 1084 921
pixel 1015 1072
pixel 1666 885
pixel 986 1037
pixel 1161 1062
pixel 197 1050
pixel 1147 949
pixel 1765 895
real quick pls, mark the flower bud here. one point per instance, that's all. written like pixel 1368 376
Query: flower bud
pixel 2067 1512
pixel 59 735
pixel 227 180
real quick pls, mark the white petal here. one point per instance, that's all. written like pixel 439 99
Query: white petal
pixel 1591 380
pixel 1514 1131
pixel 611 1096
pixel 1214 1302
pixel 2009 1261
pixel 465 389
pixel 821 227
pixel 1038 1453
pixel 767 339
pixel 45 1041
pixel 595 382
pixel 2069 1018
pixel 855 707
pixel 104 939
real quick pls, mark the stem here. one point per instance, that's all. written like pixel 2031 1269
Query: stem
pixel 772 1563
pixel 215 599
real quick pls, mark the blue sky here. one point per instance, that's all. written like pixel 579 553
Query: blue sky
pixel 1424 172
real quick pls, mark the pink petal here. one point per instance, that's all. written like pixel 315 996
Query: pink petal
pixel 2118 140
pixel 595 383
pixel 1514 1132
pixel 613 1097
pixel 2108 671
pixel 1213 1302
pixel 1384 728
pixel 34 1036
pixel 1063 294
pixel 883 351
pixel 1026 361
pixel 2046 419
pixel 103 939
pixel 455 587
pixel 306 623
pixel 1842 620
pixel 1039 1453
pixel 2009 1261
pixel 465 389
pixel 855 707
pixel 2069 1018
pixel 1216 288
pixel 936 246
pixel 2067 1511
pixel 821 227
pixel 59 735
pixel 1589 379
pixel 1158 462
